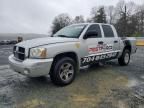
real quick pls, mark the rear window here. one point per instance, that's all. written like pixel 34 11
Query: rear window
pixel 108 32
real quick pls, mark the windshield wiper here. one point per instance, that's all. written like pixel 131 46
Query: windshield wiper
pixel 65 36
pixel 62 36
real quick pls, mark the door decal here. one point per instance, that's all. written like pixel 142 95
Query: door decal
pixel 96 58
pixel 93 49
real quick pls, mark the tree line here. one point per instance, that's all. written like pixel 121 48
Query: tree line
pixel 128 18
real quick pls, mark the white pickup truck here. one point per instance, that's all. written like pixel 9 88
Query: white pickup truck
pixel 75 46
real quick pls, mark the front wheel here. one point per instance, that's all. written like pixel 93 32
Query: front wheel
pixel 64 71
pixel 125 58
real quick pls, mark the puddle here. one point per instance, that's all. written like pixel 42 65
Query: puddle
pixel 133 82
pixel 137 87
pixel 139 91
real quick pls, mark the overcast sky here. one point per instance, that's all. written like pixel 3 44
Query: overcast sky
pixel 36 16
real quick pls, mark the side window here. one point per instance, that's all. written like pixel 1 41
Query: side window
pixel 108 32
pixel 95 28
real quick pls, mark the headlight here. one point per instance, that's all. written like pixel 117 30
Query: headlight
pixel 38 53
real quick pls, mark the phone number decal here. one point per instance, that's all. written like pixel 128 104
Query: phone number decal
pixel 96 58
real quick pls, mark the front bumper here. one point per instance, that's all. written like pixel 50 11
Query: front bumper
pixel 31 67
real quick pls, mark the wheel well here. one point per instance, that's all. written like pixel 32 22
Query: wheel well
pixel 72 55
pixel 128 47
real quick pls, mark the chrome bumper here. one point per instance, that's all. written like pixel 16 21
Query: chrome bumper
pixel 31 67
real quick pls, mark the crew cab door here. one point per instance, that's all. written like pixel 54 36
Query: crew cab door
pixel 111 39
pixel 92 43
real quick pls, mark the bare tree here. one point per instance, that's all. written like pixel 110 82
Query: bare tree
pixel 110 10
pixel 125 8
pixel 127 17
pixel 98 15
pixel 89 20
pixel 140 16
pixel 125 14
pixel 79 19
pixel 60 21
pixel 93 15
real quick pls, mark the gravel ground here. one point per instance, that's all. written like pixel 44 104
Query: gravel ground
pixel 5 51
pixel 104 86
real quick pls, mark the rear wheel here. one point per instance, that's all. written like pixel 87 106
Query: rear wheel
pixel 64 71
pixel 125 58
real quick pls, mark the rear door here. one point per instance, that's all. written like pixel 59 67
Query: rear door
pixel 111 40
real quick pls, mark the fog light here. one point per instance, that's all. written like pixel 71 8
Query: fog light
pixel 26 71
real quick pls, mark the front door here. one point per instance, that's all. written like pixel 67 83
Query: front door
pixel 92 45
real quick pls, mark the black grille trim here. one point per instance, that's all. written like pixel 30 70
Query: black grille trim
pixel 22 50
pixel 19 52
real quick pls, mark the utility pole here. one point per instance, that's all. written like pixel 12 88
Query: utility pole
pixel 125 20
pixel 142 22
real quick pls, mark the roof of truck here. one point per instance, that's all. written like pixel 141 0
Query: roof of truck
pixel 91 23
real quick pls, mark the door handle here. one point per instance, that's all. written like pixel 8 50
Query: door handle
pixel 115 41
pixel 100 42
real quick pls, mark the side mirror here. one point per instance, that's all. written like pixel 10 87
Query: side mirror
pixel 90 34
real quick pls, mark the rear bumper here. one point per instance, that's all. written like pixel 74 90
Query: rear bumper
pixel 31 67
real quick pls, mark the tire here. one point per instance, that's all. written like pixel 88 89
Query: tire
pixel 125 58
pixel 64 71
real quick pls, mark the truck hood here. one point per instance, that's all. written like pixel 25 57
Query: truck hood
pixel 45 41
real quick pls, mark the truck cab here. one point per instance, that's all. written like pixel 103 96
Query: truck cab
pixel 100 40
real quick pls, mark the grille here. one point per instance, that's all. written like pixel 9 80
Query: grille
pixel 19 52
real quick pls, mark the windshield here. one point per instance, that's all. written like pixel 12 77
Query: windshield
pixel 73 31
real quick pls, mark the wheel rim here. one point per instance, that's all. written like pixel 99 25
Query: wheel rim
pixel 66 71
pixel 126 58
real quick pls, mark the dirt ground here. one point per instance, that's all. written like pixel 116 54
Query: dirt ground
pixel 104 86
